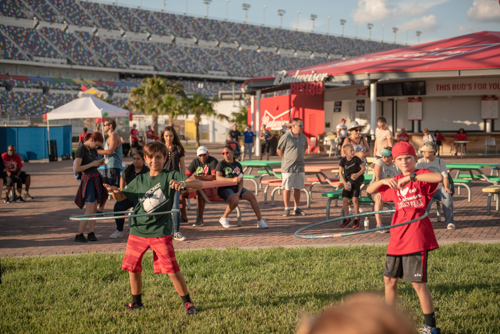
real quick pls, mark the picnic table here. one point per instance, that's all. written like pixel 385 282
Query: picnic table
pixel 462 144
pixel 471 167
pixel 265 164
pixel 316 170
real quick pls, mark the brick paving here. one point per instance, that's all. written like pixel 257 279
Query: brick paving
pixel 41 227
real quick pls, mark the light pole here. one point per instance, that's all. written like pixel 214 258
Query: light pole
pixel 395 30
pixel 245 7
pixel 328 29
pixel 383 28
pixel 264 15
pixel 370 26
pixel 281 12
pixel 207 2
pixel 227 9
pixel 342 22
pixel 313 18
pixel 418 32
pixel 297 28
pixel 186 8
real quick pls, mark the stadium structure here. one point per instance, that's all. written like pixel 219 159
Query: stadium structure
pixel 51 48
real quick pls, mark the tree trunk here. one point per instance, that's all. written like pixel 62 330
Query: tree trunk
pixel 197 125
pixel 154 123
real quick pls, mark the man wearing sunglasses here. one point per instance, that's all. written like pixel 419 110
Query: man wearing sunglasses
pixel 113 149
pixel 202 168
pixel 291 149
pixel 231 171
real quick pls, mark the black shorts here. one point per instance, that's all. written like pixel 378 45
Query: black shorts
pixel 112 176
pixel 413 267
pixel 135 144
pixel 23 176
pixel 354 192
pixel 265 146
pixel 13 179
pixel 341 141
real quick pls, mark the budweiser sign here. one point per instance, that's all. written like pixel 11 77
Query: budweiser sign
pixel 275 122
pixel 283 78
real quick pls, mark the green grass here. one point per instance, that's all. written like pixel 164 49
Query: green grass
pixel 239 291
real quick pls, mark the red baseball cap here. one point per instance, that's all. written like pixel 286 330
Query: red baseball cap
pixel 402 148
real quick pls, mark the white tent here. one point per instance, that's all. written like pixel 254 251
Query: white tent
pixel 85 107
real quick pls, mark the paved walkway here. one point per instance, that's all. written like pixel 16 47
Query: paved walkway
pixel 42 227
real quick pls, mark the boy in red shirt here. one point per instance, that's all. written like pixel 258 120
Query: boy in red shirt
pixel 408 248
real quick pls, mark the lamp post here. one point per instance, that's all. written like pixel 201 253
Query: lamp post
pixel 245 7
pixel 281 12
pixel 328 25
pixel 297 28
pixel 418 32
pixel 264 15
pixel 313 18
pixel 370 26
pixel 342 22
pixel 395 30
pixel 227 9
pixel 383 28
pixel 186 8
pixel 207 2
pixel 164 5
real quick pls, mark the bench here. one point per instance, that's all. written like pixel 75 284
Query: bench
pixel 468 177
pixel 264 174
pixel 252 177
pixel 268 183
pixel 492 190
pixel 463 183
pixel 217 200
pixel 278 187
pixel 337 195
pixel 495 169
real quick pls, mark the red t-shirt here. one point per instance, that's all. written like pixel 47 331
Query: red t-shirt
pixel 11 163
pixel 460 136
pixel 403 137
pixel 150 134
pixel 411 202
pixel 82 136
pixel 135 134
pixel 440 138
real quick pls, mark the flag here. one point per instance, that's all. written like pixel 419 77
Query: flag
pixel 82 87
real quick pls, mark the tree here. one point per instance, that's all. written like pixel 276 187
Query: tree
pixel 200 105
pixel 240 117
pixel 154 96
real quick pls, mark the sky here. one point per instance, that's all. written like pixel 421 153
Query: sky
pixel 436 19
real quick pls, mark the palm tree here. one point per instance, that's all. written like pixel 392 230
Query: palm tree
pixel 240 117
pixel 200 105
pixel 150 97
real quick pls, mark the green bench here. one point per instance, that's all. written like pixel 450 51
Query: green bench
pixel 264 174
pixel 251 178
pixel 337 195
pixel 463 183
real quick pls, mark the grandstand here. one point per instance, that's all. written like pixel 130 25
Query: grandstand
pixel 50 48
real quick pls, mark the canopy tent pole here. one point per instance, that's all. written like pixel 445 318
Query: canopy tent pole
pixel 373 110
pixel 48 136
pixel 252 113
pixel 257 125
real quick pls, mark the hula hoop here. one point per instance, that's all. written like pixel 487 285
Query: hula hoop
pixel 344 234
pixel 120 214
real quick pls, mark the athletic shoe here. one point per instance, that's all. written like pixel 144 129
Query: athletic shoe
pixel 262 224
pixel 7 200
pixel 91 236
pixel 28 197
pixel 299 212
pixel 345 223
pixel 382 231
pixel 429 330
pixel 286 213
pixel 451 226
pixel 190 309
pixel 183 221
pixel 116 234
pixel 224 222
pixel 179 237
pixel 80 238
pixel 356 223
pixel 20 200
pixel 198 223
pixel 133 306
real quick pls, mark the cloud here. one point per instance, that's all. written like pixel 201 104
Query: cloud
pixel 484 11
pixel 426 24
pixel 372 10
pixel 378 10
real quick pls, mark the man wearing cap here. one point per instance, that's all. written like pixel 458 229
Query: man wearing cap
pixel 202 168
pixel 341 135
pixel 443 192
pixel 291 149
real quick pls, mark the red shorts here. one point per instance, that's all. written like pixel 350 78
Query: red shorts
pixel 163 254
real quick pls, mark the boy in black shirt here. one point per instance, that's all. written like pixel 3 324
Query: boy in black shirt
pixel 351 169
pixel 231 171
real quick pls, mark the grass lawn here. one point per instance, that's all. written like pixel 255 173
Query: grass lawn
pixel 239 291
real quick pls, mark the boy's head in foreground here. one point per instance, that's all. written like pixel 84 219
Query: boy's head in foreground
pixel 155 154
pixel 404 157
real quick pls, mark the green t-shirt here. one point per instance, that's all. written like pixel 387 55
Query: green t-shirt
pixel 155 195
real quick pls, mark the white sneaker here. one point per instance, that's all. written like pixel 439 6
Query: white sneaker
pixel 451 226
pixel 224 222
pixel 116 234
pixel 198 223
pixel 262 224
pixel 179 237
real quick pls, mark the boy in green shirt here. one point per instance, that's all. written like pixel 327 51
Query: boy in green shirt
pixel 155 192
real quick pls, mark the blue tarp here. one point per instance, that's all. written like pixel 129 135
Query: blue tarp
pixel 31 142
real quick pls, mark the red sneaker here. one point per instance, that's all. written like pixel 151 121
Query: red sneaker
pixel 356 223
pixel 345 223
